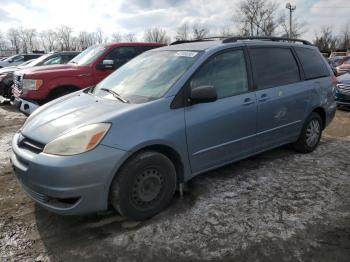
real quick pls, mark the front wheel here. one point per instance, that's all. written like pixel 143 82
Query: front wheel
pixel 310 135
pixel 144 186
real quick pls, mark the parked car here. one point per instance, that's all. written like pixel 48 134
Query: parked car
pixel 36 86
pixel 53 58
pixel 18 59
pixel 168 115
pixel 343 90
pixel 342 69
pixel 336 61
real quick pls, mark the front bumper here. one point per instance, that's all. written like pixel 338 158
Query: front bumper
pixel 342 99
pixel 24 106
pixel 67 185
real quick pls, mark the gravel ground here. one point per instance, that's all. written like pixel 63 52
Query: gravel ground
pixel 277 206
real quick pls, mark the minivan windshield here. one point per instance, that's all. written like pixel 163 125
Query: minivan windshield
pixel 88 56
pixel 148 76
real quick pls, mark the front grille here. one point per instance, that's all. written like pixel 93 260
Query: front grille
pixel 31 145
pixel 18 82
pixel 345 89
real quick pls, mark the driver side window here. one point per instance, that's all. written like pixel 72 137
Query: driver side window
pixel 121 55
pixel 226 72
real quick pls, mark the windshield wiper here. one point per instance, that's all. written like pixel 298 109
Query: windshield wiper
pixel 73 62
pixel 115 94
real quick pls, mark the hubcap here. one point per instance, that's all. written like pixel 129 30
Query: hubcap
pixel 313 131
pixel 147 187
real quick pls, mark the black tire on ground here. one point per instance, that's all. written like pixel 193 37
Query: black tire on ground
pixel 310 135
pixel 144 186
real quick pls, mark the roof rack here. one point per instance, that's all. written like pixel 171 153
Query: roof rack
pixel 266 38
pixel 199 40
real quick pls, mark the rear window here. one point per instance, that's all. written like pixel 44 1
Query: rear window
pixel 312 63
pixel 274 67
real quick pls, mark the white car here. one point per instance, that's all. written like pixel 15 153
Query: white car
pixel 18 59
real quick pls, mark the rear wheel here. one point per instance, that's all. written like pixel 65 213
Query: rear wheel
pixel 144 186
pixel 310 135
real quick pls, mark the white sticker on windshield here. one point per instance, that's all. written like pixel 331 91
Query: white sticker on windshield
pixel 186 53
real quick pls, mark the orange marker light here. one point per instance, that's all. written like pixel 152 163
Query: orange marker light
pixel 95 139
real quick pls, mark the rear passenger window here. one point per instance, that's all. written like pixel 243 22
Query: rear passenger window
pixel 312 63
pixel 226 72
pixel 274 67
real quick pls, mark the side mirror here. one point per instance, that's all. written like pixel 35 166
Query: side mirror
pixel 203 94
pixel 10 61
pixel 106 64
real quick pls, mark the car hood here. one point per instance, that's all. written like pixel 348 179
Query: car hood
pixel 345 79
pixel 56 69
pixel 9 69
pixel 69 112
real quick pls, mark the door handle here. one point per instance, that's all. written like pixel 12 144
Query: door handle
pixel 248 101
pixel 263 98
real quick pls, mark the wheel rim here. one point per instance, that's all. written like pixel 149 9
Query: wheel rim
pixel 313 131
pixel 147 187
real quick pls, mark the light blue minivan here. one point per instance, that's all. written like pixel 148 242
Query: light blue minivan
pixel 169 115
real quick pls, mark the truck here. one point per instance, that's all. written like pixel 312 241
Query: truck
pixel 6 74
pixel 36 86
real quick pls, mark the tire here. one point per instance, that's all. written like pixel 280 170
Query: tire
pixel 59 94
pixel 144 186
pixel 310 135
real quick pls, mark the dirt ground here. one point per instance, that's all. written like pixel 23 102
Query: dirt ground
pixel 277 206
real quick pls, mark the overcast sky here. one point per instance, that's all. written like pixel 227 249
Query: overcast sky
pixel 134 16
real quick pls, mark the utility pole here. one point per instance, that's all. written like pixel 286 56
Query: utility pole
pixel 291 9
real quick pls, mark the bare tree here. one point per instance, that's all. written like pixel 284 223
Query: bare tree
pixel 298 28
pixel 130 37
pixel 48 40
pixel 226 31
pixel 85 39
pixel 64 34
pixel 256 17
pixel 199 31
pixel 13 36
pixel 23 39
pixel 183 32
pixel 117 37
pixel 99 35
pixel 326 40
pixel 156 35
pixel 3 42
pixel 30 38
pixel 344 41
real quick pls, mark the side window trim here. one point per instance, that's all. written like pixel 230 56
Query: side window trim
pixel 277 47
pixel 301 69
pixel 181 98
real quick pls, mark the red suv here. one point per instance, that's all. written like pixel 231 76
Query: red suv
pixel 38 85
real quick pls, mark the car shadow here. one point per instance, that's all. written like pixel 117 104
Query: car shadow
pixel 67 235
pixel 8 107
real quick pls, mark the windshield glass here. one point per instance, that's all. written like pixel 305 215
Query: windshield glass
pixel 88 56
pixel 148 76
pixel 26 63
pixel 12 58
pixel 37 61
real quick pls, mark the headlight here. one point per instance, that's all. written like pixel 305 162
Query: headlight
pixel 78 141
pixel 30 84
